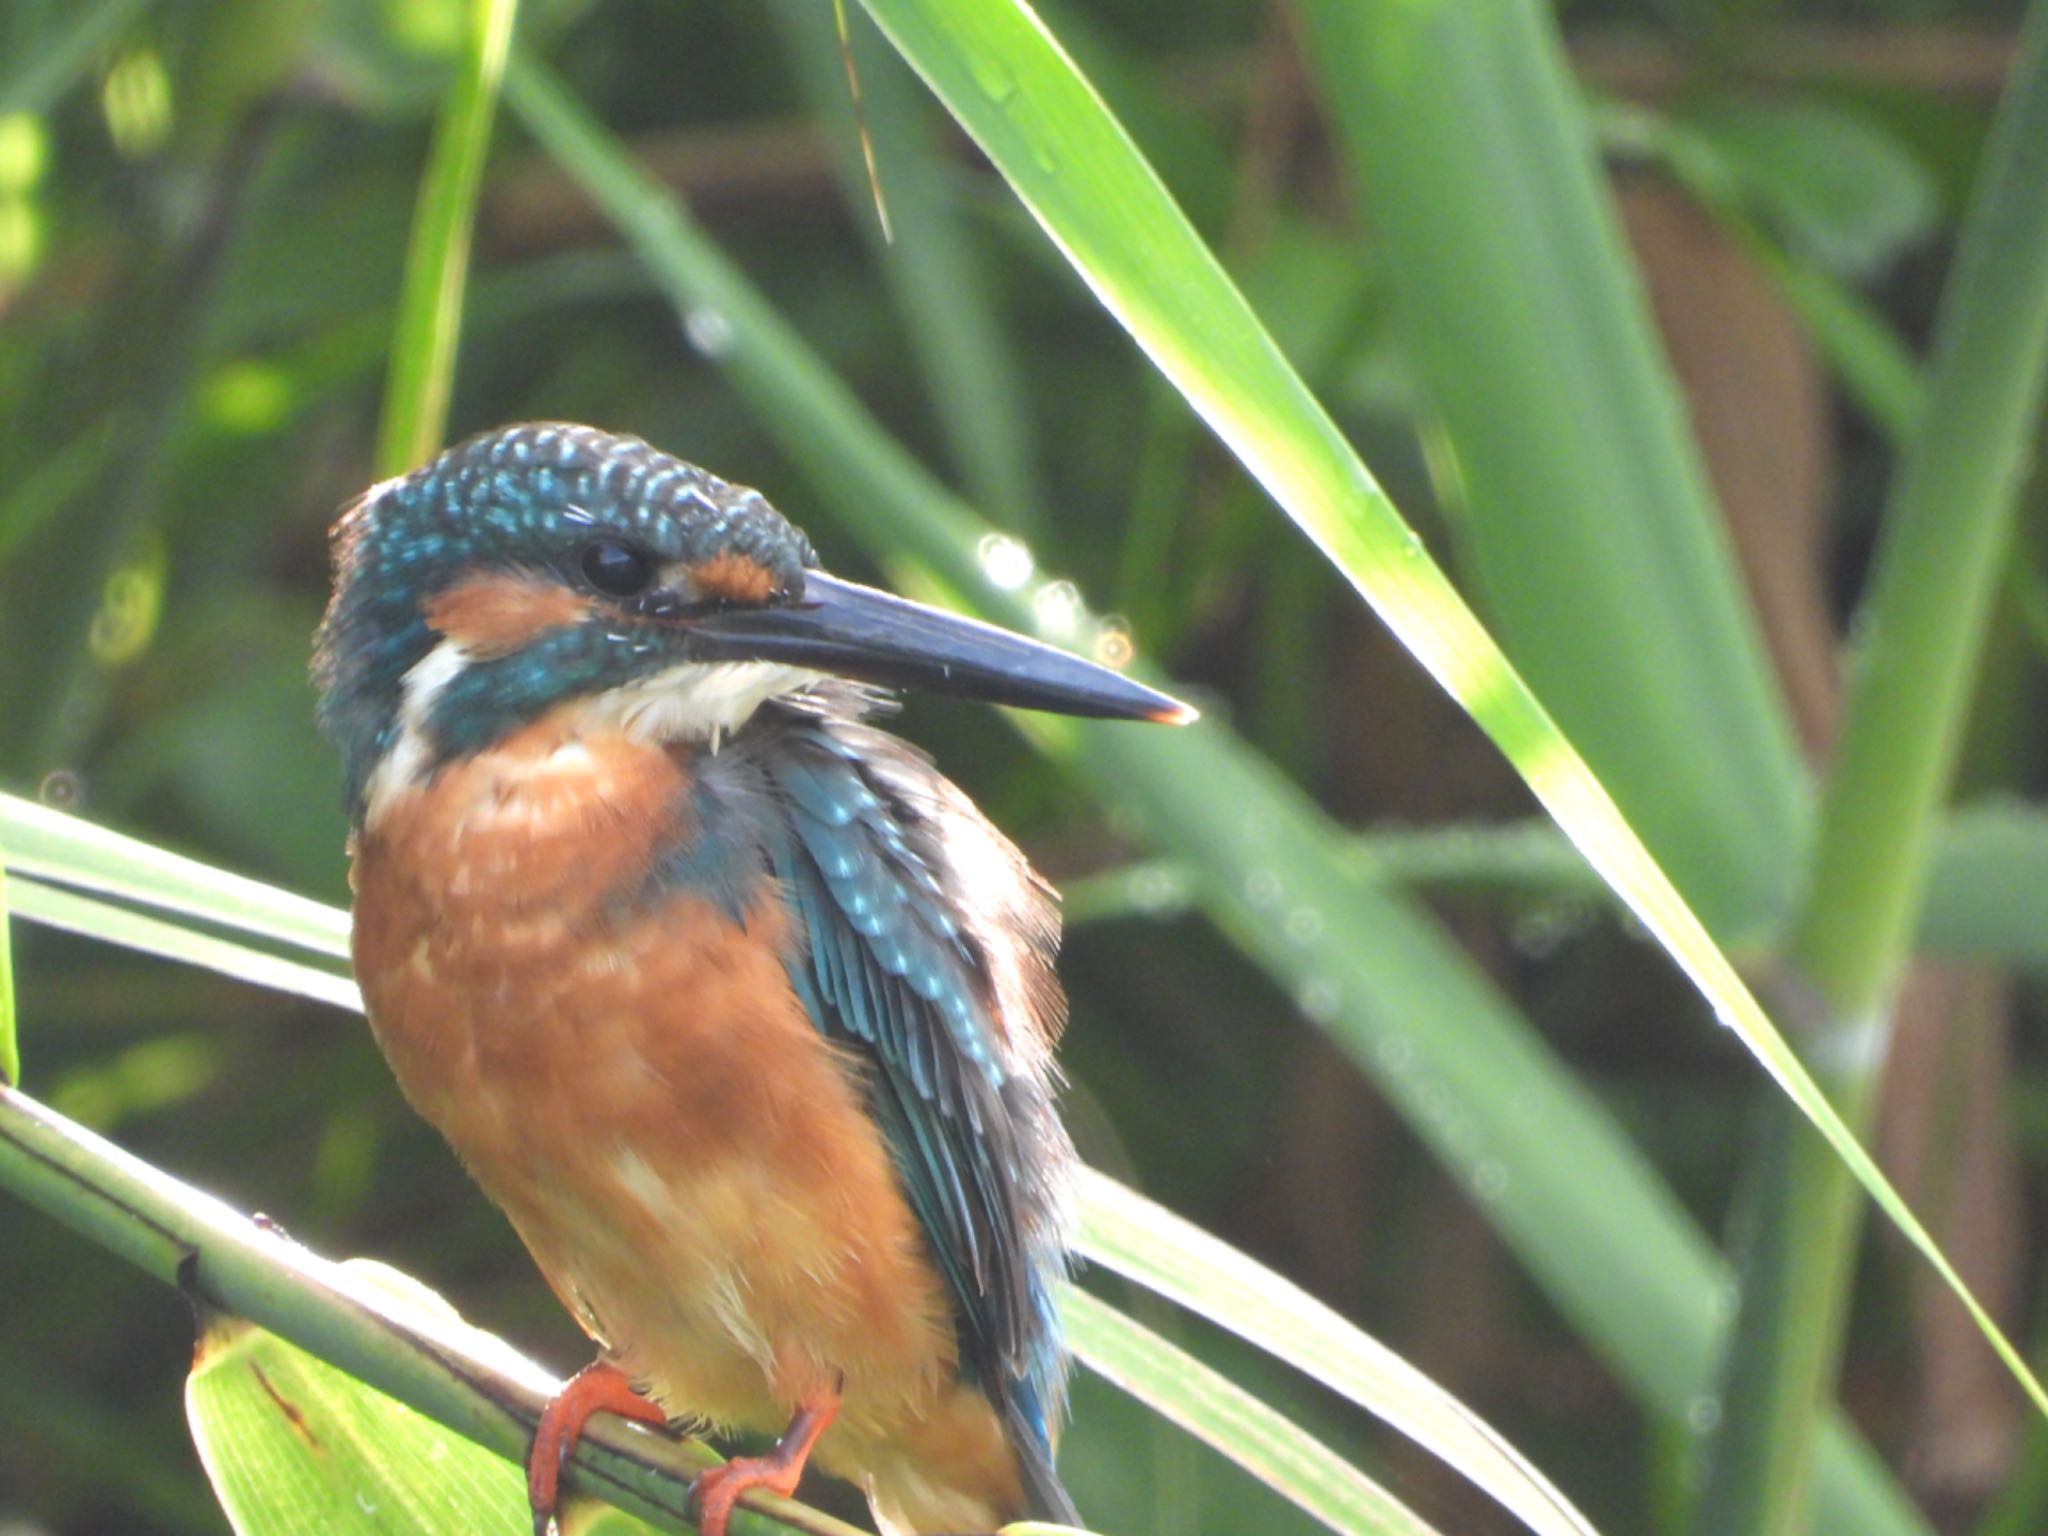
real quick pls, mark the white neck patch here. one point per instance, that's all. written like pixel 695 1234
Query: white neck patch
pixel 691 701
pixel 404 762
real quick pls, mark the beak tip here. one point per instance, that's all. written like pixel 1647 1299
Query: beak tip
pixel 1175 713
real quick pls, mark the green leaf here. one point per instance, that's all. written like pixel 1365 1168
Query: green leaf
pixel 292 1444
pixel 68 850
pixel 437 261
pixel 1144 1242
pixel 1230 1420
pixel 59 908
pixel 10 1048
pixel 1840 187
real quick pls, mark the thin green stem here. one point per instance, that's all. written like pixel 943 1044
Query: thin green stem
pixel 1947 527
pixel 437 261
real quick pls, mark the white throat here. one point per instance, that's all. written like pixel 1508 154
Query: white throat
pixel 690 702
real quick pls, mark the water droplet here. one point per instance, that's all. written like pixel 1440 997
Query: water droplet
pixel 991 75
pixel 1155 887
pixel 1541 933
pixel 1727 1297
pixel 1113 645
pixel 709 331
pixel 1703 1414
pixel 1304 925
pixel 1490 1180
pixel 62 789
pixel 1262 888
pixel 1007 562
pixel 1320 999
pixel 1396 1053
pixel 1057 608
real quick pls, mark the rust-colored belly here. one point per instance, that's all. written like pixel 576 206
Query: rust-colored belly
pixel 636 1084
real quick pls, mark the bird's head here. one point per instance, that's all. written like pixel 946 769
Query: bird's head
pixel 548 565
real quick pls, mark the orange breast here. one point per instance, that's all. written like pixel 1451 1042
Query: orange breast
pixel 637 1086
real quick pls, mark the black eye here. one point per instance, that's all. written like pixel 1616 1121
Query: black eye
pixel 617 569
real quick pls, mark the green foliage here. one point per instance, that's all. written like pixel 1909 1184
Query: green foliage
pixel 293 1444
pixel 10 1048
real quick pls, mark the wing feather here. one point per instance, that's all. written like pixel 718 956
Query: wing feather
pixel 927 952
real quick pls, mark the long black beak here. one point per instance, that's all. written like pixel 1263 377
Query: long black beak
pixel 853 631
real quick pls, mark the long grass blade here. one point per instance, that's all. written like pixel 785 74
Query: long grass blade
pixel 68 850
pixel 1144 1242
pixel 1587 519
pixel 58 908
pixel 1225 1417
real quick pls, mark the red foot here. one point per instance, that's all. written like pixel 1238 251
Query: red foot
pixel 597 1388
pixel 720 1488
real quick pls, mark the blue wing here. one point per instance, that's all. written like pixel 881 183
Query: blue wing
pixel 928 951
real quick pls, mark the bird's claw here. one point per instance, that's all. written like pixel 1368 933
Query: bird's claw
pixel 718 1490
pixel 597 1388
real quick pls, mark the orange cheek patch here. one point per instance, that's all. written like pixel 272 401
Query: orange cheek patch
pixel 491 616
pixel 733 579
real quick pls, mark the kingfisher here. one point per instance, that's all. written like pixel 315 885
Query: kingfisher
pixel 741 1012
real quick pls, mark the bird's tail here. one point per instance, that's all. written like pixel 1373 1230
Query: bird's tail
pixel 960 1468
pixel 1045 1496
